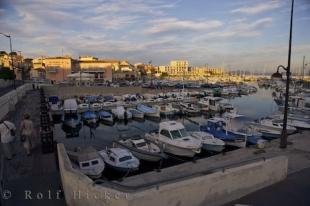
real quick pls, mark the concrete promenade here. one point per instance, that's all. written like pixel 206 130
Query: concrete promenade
pixel 298 153
pixel 35 173
pixel 293 191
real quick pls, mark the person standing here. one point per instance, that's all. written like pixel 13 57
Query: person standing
pixel 7 134
pixel 26 129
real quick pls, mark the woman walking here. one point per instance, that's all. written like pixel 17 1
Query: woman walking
pixel 26 128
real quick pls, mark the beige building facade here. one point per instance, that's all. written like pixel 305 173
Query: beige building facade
pixel 181 68
pixel 101 68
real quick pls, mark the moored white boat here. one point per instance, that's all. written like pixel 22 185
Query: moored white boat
pixel 173 137
pixel 209 142
pixel 87 161
pixel 148 111
pixel 55 105
pixel 95 107
pixel 71 120
pixel 83 107
pixel 268 124
pixel 136 113
pixel 166 109
pixel 120 159
pixel 142 149
pixel 121 113
pixel 189 109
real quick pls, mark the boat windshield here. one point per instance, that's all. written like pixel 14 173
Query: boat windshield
pixel 183 132
pixel 94 162
pixel 140 144
pixel 125 158
pixel 176 134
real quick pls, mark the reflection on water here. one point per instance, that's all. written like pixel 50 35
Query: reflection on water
pixel 257 105
pixel 254 106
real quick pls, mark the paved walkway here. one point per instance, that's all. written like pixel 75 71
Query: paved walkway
pixel 294 190
pixel 36 173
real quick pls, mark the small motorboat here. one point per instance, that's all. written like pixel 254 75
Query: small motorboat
pixel 189 109
pixel 175 140
pixel 71 120
pixel 298 122
pixel 252 137
pixel 136 114
pixel 209 142
pixel 269 124
pixel 166 109
pixel 90 118
pixel 83 107
pixel 105 116
pixel 216 127
pixel 121 113
pixel 268 134
pixel 148 111
pixel 142 149
pixel 56 108
pixel 95 107
pixel 87 161
pixel 120 159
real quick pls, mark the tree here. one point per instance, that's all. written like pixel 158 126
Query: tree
pixel 6 73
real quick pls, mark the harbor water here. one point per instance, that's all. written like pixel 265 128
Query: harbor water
pixel 254 106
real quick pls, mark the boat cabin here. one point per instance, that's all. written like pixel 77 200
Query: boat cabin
pixel 118 155
pixel 172 130
pixel 87 158
pixel 70 106
pixel 139 143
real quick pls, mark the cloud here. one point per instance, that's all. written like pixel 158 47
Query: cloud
pixel 258 8
pixel 140 30
pixel 174 24
pixel 241 29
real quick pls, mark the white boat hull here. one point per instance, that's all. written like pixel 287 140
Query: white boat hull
pixel 213 148
pixel 146 157
pixel 179 151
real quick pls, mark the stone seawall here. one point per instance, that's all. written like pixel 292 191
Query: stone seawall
pixel 216 188
pixel 10 99
pixel 5 83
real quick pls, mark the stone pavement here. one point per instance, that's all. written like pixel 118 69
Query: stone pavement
pixel 293 191
pixel 35 173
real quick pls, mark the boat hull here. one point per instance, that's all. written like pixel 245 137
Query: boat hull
pixel 122 169
pixel 213 148
pixel 179 151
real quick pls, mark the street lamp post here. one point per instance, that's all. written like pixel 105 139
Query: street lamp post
pixel 9 36
pixel 283 141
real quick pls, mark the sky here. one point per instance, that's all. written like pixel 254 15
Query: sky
pixel 248 35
